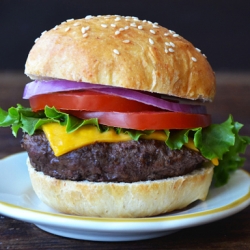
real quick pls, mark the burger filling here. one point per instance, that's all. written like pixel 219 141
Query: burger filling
pixel 128 161
pixel 126 146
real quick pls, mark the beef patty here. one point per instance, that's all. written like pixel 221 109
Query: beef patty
pixel 111 162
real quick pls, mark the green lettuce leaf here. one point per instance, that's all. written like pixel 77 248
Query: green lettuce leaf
pixel 177 138
pixel 72 123
pixel 232 159
pixel 214 141
pixel 29 121
pixel 220 141
pixel 134 134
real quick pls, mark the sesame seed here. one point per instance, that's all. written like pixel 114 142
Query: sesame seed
pixel 87 28
pixel 43 32
pixel 56 27
pixel 126 41
pixel 135 18
pixel 156 23
pixel 166 34
pixel 194 59
pixel 127 17
pixel 67 29
pixel 88 17
pixel 168 44
pixel 150 22
pixel 85 35
pixel 63 22
pixel 126 27
pixel 176 35
pixel 171 50
pixel 117 19
pixel 204 55
pixel 133 24
pixel 116 51
pixel 117 32
pixel 140 27
pixel 144 21
pixel 104 25
pixel 172 44
pixel 152 31
pixel 36 39
pixel 76 24
pixel 113 25
pixel 198 49
pixel 172 32
pixel 151 41
pixel 166 50
pixel 121 29
pixel 69 20
pixel 83 30
pixel 155 26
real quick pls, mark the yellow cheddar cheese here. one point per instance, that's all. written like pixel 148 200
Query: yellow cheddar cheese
pixel 215 161
pixel 190 144
pixel 157 135
pixel 62 142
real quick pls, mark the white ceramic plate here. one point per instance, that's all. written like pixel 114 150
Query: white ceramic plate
pixel 18 200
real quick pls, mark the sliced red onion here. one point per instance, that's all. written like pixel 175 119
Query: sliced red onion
pixel 45 87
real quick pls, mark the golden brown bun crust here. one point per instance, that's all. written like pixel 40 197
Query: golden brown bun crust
pixel 131 200
pixel 124 52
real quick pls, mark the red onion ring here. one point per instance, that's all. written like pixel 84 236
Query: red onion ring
pixel 44 87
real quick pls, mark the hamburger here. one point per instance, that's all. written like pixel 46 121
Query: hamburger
pixel 117 124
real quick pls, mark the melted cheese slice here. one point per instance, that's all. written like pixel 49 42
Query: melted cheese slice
pixel 62 142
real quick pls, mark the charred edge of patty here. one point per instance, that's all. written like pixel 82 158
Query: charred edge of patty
pixel 129 161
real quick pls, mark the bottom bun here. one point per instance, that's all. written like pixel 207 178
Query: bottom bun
pixel 131 200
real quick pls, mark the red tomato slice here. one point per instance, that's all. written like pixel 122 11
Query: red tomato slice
pixel 147 120
pixel 87 100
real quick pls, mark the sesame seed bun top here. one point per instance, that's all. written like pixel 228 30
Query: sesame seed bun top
pixel 123 52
